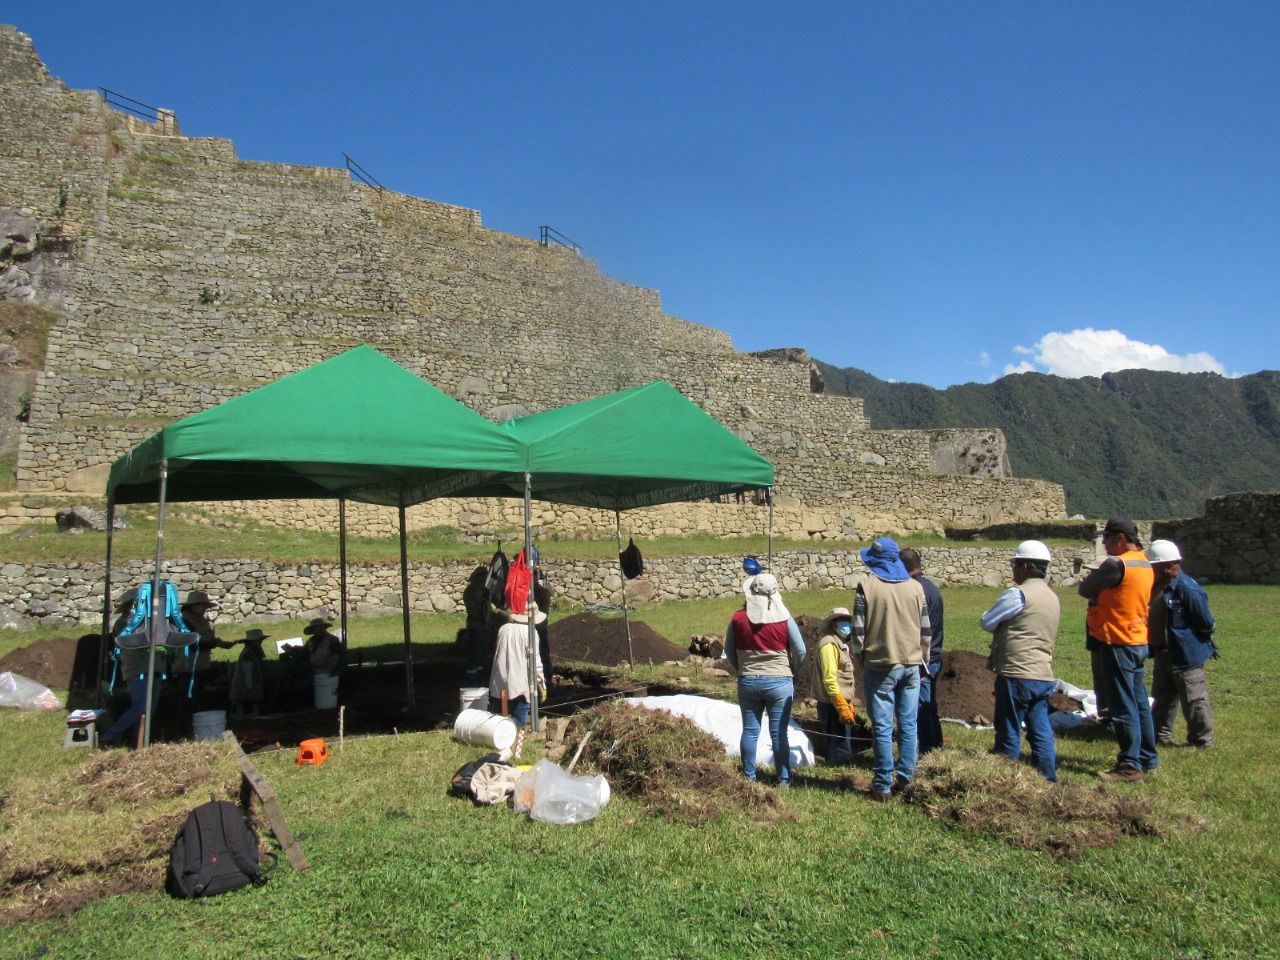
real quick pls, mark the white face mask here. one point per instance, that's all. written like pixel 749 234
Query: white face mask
pixel 844 629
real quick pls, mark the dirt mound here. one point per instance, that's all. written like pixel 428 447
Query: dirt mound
pixel 966 689
pixel 592 639
pixel 678 771
pixel 103 829
pixel 984 794
pixel 62 663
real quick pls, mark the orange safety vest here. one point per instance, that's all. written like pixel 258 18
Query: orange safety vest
pixel 1118 615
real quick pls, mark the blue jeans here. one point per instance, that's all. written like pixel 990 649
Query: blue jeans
pixel 1019 701
pixel 517 709
pixel 837 737
pixel 137 707
pixel 756 694
pixel 1126 686
pixel 928 723
pixel 892 695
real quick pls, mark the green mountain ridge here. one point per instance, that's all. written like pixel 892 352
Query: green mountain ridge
pixel 1147 443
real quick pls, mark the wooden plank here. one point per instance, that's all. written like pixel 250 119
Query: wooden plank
pixel 270 805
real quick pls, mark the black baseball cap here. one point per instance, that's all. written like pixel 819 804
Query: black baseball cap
pixel 1122 525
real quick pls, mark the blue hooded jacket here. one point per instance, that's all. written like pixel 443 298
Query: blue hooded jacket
pixel 1189 624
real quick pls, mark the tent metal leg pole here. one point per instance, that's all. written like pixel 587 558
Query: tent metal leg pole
pixel 106 603
pixel 404 605
pixel 158 612
pixel 531 638
pixel 342 567
pixel 626 619
pixel 768 495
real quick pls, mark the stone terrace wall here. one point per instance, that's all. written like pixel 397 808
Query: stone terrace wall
pixel 249 590
pixel 1236 541
pixel 200 276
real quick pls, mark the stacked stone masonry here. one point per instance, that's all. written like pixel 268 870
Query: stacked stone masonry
pixel 198 276
pixel 248 590
pixel 1236 541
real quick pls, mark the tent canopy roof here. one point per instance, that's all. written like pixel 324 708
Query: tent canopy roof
pixel 358 425
pixel 362 427
pixel 635 448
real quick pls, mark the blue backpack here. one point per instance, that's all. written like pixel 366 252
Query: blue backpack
pixel 132 634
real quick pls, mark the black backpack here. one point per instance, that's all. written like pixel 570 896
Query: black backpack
pixel 460 782
pixel 495 580
pixel 215 851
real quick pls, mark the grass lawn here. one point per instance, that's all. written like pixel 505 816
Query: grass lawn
pixel 195 534
pixel 400 869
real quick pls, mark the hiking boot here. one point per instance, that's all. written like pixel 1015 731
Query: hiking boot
pixel 900 786
pixel 1121 774
pixel 879 796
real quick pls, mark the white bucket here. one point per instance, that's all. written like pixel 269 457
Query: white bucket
pixel 473 698
pixel 209 724
pixel 480 728
pixel 326 691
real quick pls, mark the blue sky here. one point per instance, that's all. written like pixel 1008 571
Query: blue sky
pixel 934 192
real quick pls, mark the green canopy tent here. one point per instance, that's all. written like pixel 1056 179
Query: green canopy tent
pixel 357 426
pixel 635 448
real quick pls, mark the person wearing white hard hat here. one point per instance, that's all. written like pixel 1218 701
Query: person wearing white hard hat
pixel 1181 633
pixel 1024 627
pixel 763 645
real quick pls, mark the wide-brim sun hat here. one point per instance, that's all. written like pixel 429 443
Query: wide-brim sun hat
pixel 882 559
pixel 837 613
pixel 197 598
pixel 764 599
pixel 538 616
pixel 316 625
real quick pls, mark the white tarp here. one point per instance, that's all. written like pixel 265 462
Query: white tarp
pixel 723 721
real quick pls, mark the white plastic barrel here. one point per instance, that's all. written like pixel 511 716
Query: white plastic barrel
pixel 326 691
pixel 480 728
pixel 476 698
pixel 209 724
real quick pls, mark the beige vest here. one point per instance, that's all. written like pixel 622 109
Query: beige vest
pixel 844 669
pixel 1022 646
pixel 893 624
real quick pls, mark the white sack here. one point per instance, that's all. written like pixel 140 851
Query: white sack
pixel 723 721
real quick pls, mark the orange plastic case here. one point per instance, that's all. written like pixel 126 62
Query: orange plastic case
pixel 312 752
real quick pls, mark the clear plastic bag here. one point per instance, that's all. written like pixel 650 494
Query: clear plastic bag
pixel 24 693
pixel 553 796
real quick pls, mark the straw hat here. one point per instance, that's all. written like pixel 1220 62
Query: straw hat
pixel 837 613
pixel 538 615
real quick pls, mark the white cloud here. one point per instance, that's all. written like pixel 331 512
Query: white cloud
pixel 984 359
pixel 1091 353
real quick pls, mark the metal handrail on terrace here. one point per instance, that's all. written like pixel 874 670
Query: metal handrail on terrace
pixel 139 109
pixel 552 235
pixel 363 175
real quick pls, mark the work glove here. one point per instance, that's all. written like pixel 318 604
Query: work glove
pixel 844 710
pixel 542 695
